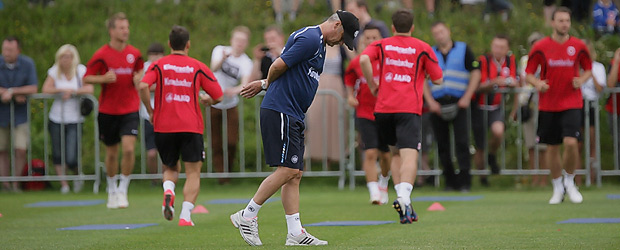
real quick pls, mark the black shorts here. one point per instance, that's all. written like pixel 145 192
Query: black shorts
pixel 190 146
pixel 370 135
pixel 399 129
pixel 477 123
pixel 112 127
pixel 283 139
pixel 554 126
pixel 149 135
pixel 591 115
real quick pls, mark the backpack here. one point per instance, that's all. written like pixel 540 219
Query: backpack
pixel 38 169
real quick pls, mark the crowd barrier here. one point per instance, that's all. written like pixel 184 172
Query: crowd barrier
pixel 244 167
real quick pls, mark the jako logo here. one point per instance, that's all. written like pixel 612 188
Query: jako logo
pixel 397 78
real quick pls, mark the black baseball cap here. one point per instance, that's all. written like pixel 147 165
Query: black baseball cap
pixel 351 26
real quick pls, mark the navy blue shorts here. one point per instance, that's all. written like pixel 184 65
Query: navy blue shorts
pixel 283 139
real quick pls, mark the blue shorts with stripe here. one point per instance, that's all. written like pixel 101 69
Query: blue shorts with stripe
pixel 283 139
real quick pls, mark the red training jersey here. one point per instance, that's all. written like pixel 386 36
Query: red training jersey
pixel 610 102
pixel 405 62
pixel 179 79
pixel 353 77
pixel 120 97
pixel 492 70
pixel 559 64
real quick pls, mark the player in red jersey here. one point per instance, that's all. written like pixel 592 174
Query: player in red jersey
pixel 560 58
pixel 177 119
pixel 405 63
pixel 116 66
pixel 363 101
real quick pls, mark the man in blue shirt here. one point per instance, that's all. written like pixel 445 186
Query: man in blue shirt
pixel 18 78
pixel 292 82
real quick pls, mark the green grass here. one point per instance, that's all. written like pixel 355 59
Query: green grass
pixel 508 219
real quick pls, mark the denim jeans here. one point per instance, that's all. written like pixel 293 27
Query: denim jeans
pixel 70 144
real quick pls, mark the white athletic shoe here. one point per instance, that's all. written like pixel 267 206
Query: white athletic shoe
pixel 384 194
pixel 573 194
pixel 247 228
pixel 303 239
pixel 78 185
pixel 112 201
pixel 557 197
pixel 122 200
pixel 375 199
pixel 65 189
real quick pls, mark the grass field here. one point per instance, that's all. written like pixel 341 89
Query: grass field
pixel 506 219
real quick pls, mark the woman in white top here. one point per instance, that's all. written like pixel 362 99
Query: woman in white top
pixel 65 79
pixel 591 91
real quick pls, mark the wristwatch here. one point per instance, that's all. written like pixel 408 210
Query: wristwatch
pixel 263 84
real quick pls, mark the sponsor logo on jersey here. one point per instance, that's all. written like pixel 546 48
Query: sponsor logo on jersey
pixel 177 82
pixel 561 63
pixel 178 69
pixel 400 50
pixel 398 63
pixel 397 77
pixel 122 71
pixel 170 97
pixel 312 73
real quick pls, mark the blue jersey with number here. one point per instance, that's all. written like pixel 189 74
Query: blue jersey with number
pixel 293 92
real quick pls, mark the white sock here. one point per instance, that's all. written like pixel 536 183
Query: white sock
pixel 293 223
pixel 112 186
pixel 251 210
pixel 557 185
pixel 396 188
pixel 569 180
pixel 384 181
pixel 123 184
pixel 405 192
pixel 373 188
pixel 186 211
pixel 169 185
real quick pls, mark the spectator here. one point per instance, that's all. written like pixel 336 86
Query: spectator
pixel 116 66
pixel 560 57
pixel 18 78
pixel 449 102
pixel 578 8
pixel 154 52
pixel 65 79
pixel 233 69
pixel 323 136
pixel 591 91
pixel 529 125
pixel 613 111
pixel 359 8
pixel 502 7
pixel 292 6
pixel 498 70
pixel 605 18
pixel 360 98
pixel 266 53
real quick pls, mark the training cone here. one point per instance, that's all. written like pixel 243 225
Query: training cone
pixel 200 209
pixel 436 207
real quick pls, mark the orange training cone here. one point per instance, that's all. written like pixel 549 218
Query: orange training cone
pixel 200 209
pixel 436 207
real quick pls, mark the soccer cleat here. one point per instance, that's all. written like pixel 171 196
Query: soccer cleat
pixel 384 194
pixel 122 200
pixel 303 239
pixel 112 201
pixel 375 199
pixel 406 213
pixel 557 197
pixel 573 194
pixel 247 228
pixel 184 223
pixel 167 207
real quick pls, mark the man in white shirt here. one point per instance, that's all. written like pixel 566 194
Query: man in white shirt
pixel 233 69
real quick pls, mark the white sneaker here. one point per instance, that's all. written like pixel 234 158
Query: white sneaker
pixel 573 194
pixel 112 201
pixel 65 189
pixel 384 194
pixel 375 199
pixel 557 197
pixel 247 228
pixel 303 239
pixel 78 185
pixel 122 200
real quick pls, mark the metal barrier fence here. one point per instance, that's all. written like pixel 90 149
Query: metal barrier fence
pixel 43 100
pixel 346 140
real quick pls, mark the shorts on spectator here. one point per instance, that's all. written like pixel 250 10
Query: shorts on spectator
pixel 22 132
